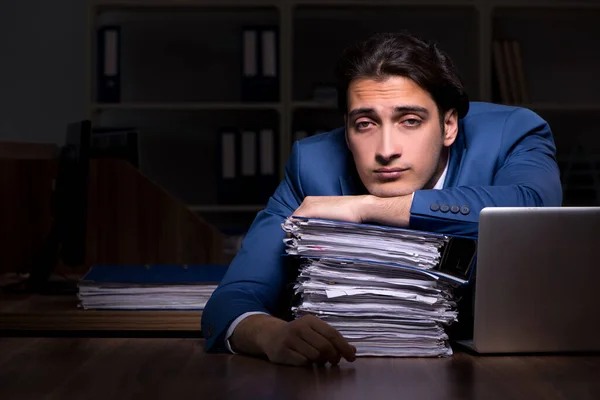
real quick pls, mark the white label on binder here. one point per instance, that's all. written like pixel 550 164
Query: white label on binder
pixel 267 152
pixel 250 61
pixel 269 60
pixel 111 45
pixel 248 153
pixel 228 155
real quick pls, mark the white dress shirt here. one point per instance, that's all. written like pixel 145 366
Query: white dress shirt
pixel 439 185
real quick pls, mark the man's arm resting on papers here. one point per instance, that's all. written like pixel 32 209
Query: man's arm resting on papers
pixel 528 177
pixel 300 342
pixel 256 283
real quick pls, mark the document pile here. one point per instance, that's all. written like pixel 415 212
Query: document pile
pixel 386 290
pixel 152 287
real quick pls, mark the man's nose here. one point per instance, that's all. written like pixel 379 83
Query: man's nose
pixel 388 147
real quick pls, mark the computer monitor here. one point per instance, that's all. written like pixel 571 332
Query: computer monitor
pixel 66 240
pixel 115 143
pixel 71 193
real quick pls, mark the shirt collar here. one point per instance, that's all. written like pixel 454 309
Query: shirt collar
pixel 440 183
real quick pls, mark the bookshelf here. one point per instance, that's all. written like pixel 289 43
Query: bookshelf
pixel 181 73
pixel 207 106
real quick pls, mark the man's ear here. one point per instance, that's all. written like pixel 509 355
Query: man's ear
pixel 450 127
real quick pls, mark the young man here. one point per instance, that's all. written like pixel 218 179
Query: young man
pixel 413 153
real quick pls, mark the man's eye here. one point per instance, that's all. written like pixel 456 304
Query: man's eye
pixel 412 122
pixel 362 124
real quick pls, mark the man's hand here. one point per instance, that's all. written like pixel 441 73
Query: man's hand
pixel 304 341
pixel 341 208
pixel 393 211
pixel 301 342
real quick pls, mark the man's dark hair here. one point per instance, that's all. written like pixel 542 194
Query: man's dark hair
pixel 402 54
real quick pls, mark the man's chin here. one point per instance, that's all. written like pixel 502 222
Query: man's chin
pixel 387 190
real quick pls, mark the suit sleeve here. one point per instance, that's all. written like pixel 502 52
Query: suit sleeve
pixel 256 278
pixel 528 177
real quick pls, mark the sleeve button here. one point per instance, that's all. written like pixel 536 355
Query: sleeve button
pixel 454 209
pixel 465 210
pixel 434 207
pixel 444 208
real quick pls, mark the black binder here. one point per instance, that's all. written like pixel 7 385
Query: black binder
pixel 248 188
pixel 108 69
pixel 260 64
pixel 268 155
pixel 269 49
pixel 227 168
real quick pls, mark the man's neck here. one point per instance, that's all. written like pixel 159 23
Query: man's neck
pixel 440 169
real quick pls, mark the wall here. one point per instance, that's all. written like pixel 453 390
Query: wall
pixel 41 68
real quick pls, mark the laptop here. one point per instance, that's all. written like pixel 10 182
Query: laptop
pixel 537 280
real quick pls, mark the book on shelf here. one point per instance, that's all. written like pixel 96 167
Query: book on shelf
pixel 509 71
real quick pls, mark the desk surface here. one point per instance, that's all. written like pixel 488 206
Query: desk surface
pixel 51 313
pixel 144 368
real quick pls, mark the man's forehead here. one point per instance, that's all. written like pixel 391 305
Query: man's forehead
pixel 391 93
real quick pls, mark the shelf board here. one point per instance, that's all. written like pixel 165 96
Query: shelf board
pixel 183 3
pixel 325 3
pixel 276 3
pixel 532 106
pixel 393 3
pixel 309 104
pixel 227 208
pixel 186 106
pixel 520 4
pixel 558 107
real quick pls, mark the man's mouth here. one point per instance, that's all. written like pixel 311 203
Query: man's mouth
pixel 390 173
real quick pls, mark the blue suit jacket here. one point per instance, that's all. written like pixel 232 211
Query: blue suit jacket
pixel 503 156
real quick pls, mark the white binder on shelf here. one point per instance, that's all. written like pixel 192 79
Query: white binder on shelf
pixel 228 178
pixel 108 83
pixel 250 64
pixel 248 191
pixel 268 171
pixel 269 47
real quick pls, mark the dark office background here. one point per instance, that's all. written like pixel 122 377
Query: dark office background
pixel 181 78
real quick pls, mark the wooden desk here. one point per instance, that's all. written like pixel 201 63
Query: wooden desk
pixel 60 313
pixel 142 368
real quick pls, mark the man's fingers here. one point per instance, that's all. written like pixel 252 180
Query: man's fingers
pixel 341 344
pixel 305 349
pixel 292 357
pixel 324 346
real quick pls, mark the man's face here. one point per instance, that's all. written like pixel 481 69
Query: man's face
pixel 395 135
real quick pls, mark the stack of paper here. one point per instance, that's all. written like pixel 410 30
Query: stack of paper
pixel 139 297
pixel 380 287
pixel 155 287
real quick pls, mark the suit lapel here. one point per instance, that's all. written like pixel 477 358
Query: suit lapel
pixel 350 183
pixel 347 186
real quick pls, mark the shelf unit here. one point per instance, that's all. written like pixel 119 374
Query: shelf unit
pixel 207 106
pixel 163 35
